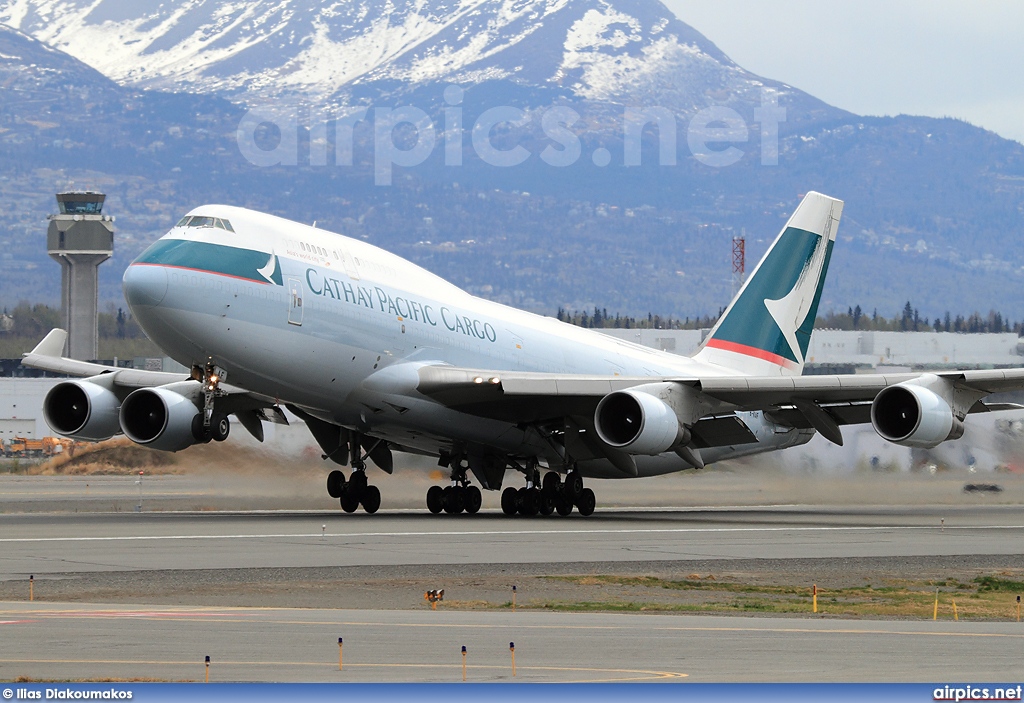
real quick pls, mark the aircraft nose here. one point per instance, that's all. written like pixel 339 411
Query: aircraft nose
pixel 144 285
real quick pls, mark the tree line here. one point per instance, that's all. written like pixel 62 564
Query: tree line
pixel 34 321
pixel 907 320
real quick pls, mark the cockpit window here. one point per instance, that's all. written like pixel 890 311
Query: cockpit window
pixel 199 221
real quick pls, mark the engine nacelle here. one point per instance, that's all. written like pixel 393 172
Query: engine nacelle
pixel 159 418
pixel 82 410
pixel 637 422
pixel 914 416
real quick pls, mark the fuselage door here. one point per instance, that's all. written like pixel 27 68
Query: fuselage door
pixel 351 268
pixel 294 301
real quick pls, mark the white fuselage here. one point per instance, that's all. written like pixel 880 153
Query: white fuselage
pixel 338 327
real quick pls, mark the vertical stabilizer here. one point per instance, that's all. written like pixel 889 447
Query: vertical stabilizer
pixel 766 329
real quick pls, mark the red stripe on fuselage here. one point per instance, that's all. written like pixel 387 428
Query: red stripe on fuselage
pixel 751 351
pixel 214 273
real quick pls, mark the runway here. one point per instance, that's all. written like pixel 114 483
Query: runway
pixel 53 544
pixel 95 641
pixel 267 594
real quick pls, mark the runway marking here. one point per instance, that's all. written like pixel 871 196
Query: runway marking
pixel 656 628
pixel 511 533
pixel 149 615
pixel 234 615
pixel 107 491
pixel 639 674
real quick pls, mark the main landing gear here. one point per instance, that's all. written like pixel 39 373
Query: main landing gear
pixel 552 495
pixel 458 497
pixel 356 491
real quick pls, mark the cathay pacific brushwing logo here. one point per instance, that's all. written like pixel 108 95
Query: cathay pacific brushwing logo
pixel 270 271
pixel 791 311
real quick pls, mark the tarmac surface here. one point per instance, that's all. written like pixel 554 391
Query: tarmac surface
pixel 150 594
pixel 53 544
pixel 95 641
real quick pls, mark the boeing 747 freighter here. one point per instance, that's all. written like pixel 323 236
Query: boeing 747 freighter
pixel 378 355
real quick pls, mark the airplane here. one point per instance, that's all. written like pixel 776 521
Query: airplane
pixel 378 355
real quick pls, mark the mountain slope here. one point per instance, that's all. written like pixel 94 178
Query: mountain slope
pixel 599 50
pixel 933 206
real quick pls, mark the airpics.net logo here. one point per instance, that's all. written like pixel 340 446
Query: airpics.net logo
pixel 407 136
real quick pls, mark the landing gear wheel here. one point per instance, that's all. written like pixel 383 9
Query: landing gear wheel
pixel 349 499
pixel 220 427
pixel 527 501
pixel 370 499
pixel 199 431
pixel 562 505
pixel 573 486
pixel 435 499
pixel 454 500
pixel 510 501
pixel 474 499
pixel 552 481
pixel 357 482
pixel 546 502
pixel 586 502
pixel 335 484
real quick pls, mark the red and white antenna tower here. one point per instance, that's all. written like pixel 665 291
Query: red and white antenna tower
pixel 739 262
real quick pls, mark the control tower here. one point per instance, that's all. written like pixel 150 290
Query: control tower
pixel 80 238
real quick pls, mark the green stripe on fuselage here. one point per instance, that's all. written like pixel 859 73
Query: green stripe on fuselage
pixel 214 258
pixel 749 322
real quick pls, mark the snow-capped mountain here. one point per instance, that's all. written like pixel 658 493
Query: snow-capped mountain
pixel 621 51
pixel 29 68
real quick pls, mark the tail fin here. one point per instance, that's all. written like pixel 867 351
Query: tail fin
pixel 767 327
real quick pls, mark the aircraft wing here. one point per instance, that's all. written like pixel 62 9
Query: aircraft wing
pixel 47 356
pixel 821 402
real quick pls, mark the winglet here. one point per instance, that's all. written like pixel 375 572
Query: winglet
pixel 51 345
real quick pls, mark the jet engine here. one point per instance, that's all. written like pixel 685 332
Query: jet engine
pixel 637 422
pixel 914 416
pixel 83 410
pixel 159 418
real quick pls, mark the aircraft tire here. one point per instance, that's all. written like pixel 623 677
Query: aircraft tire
pixel 528 501
pixel 220 427
pixel 199 432
pixel 349 499
pixel 357 482
pixel 335 483
pixel 454 501
pixel 370 499
pixel 586 502
pixel 551 481
pixel 546 502
pixel 573 486
pixel 435 499
pixel 474 499
pixel 510 501
pixel 563 505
